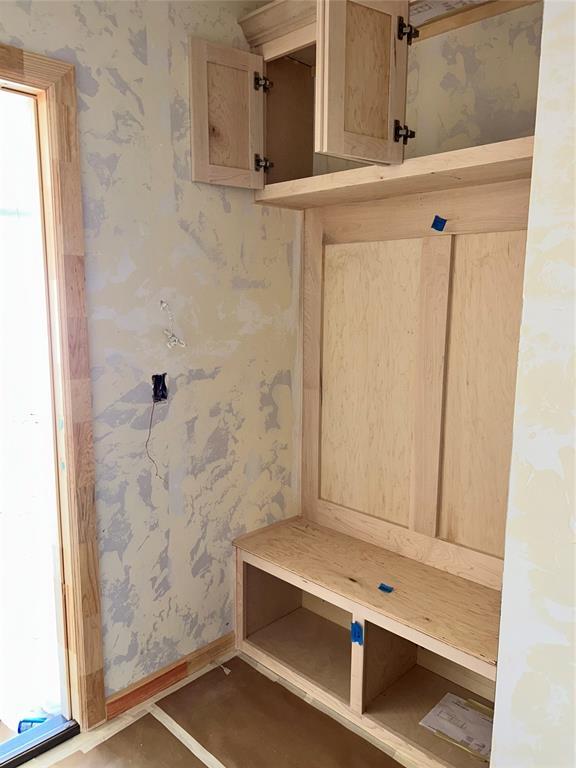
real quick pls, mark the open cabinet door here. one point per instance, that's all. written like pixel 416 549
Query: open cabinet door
pixel 361 67
pixel 227 115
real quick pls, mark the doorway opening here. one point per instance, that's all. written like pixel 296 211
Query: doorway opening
pixel 34 692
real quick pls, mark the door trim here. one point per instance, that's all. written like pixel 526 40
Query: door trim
pixel 53 83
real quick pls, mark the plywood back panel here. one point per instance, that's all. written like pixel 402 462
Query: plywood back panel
pixel 480 386
pixel 290 120
pixel 267 599
pixel 380 303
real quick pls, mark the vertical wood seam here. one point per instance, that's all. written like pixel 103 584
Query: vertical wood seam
pixel 445 383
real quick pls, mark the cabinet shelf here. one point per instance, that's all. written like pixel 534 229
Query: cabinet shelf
pixel 449 615
pixel 485 164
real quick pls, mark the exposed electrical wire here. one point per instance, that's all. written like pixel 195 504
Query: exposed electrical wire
pixel 158 475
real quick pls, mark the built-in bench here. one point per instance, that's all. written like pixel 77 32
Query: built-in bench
pixel 377 637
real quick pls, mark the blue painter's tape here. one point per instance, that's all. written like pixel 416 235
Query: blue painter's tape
pixel 357 633
pixel 439 223
pixel 385 588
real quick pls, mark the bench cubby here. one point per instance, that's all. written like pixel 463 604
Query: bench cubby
pixel 279 622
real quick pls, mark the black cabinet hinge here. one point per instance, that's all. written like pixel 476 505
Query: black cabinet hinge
pixel 262 163
pixel 262 82
pixel 402 132
pixel 407 30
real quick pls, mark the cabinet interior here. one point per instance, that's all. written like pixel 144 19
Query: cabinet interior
pixel 289 120
pixel 281 620
pixel 403 682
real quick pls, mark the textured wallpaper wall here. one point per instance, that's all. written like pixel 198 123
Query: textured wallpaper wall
pixel 475 85
pixel 536 707
pixel 230 273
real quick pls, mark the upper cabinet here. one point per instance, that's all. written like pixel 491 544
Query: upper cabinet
pixel 361 65
pixel 227 115
pixel 323 78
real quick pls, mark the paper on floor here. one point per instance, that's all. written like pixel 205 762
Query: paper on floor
pixel 464 722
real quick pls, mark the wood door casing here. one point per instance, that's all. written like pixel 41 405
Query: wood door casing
pixel 361 70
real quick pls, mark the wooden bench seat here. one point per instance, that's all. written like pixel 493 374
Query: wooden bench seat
pixel 449 615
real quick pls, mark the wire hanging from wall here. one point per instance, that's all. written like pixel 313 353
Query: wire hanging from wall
pixel 158 475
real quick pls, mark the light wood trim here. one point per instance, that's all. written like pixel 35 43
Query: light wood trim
pixel 357 670
pixel 475 566
pixel 433 321
pixel 485 164
pixel 158 681
pixel 462 17
pixel 53 82
pixel 289 43
pixel 312 340
pixel 501 207
pixel 239 606
pixel 277 19
pixel 36 72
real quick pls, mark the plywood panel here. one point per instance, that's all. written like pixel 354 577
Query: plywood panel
pixel 476 683
pixel 313 646
pixel 382 370
pixel 228 116
pixel 266 599
pixel 480 385
pixel 368 63
pixel 387 658
pixel 290 120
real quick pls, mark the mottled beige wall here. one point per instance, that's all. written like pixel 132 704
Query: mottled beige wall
pixel 230 272
pixel 536 688
pixel 475 85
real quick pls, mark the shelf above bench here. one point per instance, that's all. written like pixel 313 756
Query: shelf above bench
pixel 485 164
pixel 452 616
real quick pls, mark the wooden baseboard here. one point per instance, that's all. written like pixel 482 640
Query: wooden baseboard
pixel 167 676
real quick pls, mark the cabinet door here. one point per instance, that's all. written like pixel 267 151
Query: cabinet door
pixel 361 67
pixel 227 115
